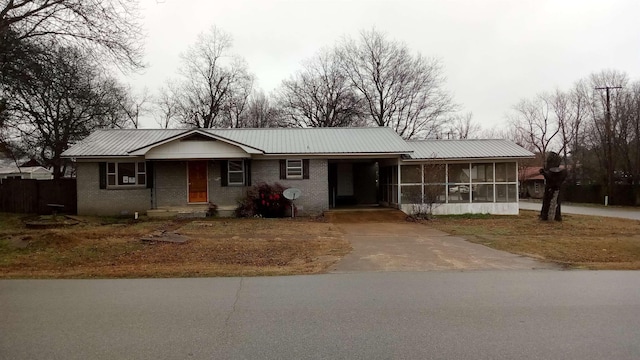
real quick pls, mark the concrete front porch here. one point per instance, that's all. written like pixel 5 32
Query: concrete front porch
pixel 188 211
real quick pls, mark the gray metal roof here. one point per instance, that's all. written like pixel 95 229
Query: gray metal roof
pixel 466 149
pixel 119 142
pixel 318 140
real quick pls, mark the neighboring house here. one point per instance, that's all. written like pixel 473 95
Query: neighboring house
pixel 532 182
pixel 137 170
pixel 25 172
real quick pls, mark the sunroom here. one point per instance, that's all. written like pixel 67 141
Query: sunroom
pixel 455 177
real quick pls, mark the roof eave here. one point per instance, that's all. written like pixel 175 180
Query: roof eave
pixel 470 158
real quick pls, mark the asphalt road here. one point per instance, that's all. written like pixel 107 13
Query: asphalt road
pixel 540 314
pixel 613 211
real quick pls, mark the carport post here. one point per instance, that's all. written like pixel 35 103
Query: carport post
pixel 399 187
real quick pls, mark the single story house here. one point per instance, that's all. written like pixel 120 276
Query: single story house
pixel 532 182
pixel 123 171
pixel 25 172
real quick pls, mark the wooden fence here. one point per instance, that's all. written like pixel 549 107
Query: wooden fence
pixel 35 196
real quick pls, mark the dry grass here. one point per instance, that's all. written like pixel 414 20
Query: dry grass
pixel 108 248
pixel 576 242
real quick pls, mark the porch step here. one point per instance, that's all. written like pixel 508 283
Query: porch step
pixel 195 211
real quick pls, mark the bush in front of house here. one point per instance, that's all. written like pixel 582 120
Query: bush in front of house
pixel 264 200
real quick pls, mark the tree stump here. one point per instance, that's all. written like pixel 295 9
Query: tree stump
pixel 554 176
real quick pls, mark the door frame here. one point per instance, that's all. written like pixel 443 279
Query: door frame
pixel 206 167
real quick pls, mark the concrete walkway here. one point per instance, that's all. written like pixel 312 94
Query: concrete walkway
pixel 614 211
pixel 406 246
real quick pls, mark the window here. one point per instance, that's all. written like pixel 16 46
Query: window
pixel 506 172
pixel 411 194
pixel 459 173
pixel 126 173
pixel 294 169
pixel 411 174
pixel 454 183
pixel 435 173
pixel 235 172
pixel 506 193
pixel 482 172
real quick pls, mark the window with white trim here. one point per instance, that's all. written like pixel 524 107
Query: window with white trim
pixel 294 169
pixel 235 172
pixel 126 173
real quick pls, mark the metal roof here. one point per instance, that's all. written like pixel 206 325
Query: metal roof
pixel 318 140
pixel 375 140
pixel 23 169
pixel 466 149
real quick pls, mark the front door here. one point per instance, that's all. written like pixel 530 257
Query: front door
pixel 197 181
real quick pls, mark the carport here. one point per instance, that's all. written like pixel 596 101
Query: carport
pixel 353 183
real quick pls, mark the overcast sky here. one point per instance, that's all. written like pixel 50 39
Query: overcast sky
pixel 494 52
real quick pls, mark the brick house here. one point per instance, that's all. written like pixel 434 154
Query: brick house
pixel 169 170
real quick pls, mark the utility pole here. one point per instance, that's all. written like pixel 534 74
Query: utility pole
pixel 609 142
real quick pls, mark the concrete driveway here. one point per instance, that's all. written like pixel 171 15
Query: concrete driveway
pixel 384 241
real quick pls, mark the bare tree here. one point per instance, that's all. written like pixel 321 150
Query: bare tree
pixel 533 122
pixel 401 90
pixel 605 130
pixel 462 126
pixel 63 101
pixel 165 107
pixel 260 112
pixel 235 106
pixel 102 28
pixel 321 95
pixel 134 105
pixel 211 78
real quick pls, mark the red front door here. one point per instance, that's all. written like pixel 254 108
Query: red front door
pixel 197 181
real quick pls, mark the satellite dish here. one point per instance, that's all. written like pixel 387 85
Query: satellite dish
pixel 292 193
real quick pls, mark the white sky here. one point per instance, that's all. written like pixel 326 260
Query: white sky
pixel 494 52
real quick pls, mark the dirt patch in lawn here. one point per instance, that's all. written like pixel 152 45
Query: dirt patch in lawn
pixel 579 241
pixel 111 248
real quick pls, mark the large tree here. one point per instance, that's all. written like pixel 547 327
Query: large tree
pixel 62 101
pixel 321 94
pixel 32 34
pixel 102 28
pixel 213 82
pixel 401 90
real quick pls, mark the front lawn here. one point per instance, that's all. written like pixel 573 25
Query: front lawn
pixel 111 248
pixel 578 241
